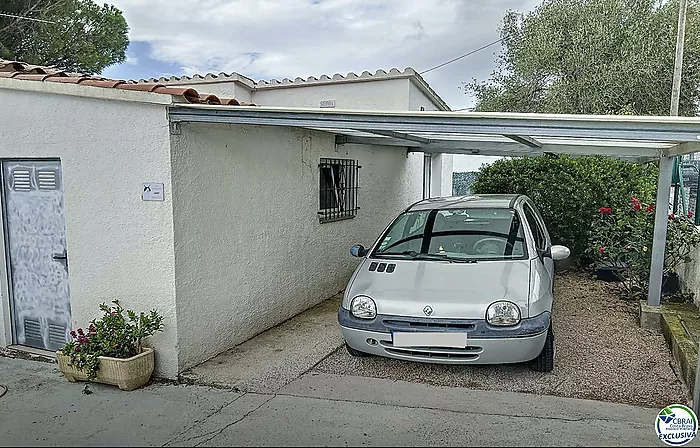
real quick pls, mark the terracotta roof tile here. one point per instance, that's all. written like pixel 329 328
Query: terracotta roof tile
pixel 67 79
pixel 37 77
pixel 139 87
pixel 106 83
pixel 27 72
pixel 188 93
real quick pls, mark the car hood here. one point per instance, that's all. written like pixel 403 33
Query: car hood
pixel 453 290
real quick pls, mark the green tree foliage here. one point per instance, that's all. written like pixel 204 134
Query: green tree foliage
pixel 570 191
pixel 593 57
pixel 83 36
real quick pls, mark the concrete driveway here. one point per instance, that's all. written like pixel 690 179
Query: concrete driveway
pixel 602 354
pixel 42 408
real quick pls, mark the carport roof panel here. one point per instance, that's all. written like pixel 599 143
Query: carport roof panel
pixel 614 135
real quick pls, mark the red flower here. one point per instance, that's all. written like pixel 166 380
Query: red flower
pixel 602 249
pixel 636 205
pixel 605 210
pixel 671 216
pixel 690 214
pixel 651 208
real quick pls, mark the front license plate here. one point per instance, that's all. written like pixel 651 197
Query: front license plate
pixel 429 339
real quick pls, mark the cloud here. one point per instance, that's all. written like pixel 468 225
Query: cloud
pixel 289 38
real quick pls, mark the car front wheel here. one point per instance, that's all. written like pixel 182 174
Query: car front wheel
pixel 545 361
pixel 354 352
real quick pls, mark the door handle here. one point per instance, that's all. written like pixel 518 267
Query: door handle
pixel 61 257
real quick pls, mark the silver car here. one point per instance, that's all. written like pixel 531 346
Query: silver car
pixel 456 280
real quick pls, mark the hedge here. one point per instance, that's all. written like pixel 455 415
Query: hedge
pixel 570 191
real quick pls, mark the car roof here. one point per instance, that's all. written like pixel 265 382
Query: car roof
pixel 475 201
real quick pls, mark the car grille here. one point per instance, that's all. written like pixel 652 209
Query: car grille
pixel 396 324
pixel 433 353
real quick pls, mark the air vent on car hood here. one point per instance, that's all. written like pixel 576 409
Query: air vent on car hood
pixel 382 267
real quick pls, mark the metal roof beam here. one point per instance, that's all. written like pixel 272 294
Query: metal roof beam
pixel 402 136
pixel 682 149
pixel 506 148
pixel 651 129
pixel 525 140
pixel 376 141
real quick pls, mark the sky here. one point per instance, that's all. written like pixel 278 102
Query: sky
pixel 265 39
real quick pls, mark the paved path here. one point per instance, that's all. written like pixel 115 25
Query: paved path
pixel 277 356
pixel 42 408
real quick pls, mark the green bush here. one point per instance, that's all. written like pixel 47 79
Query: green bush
pixel 570 191
pixel 622 238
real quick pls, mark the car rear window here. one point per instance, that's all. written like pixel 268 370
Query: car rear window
pixel 459 234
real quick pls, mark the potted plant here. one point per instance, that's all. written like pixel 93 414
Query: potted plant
pixel 111 350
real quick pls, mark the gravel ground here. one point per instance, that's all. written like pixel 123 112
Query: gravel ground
pixel 602 354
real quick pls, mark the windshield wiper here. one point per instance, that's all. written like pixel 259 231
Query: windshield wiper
pixel 422 256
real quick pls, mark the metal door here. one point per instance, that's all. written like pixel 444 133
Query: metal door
pixel 36 252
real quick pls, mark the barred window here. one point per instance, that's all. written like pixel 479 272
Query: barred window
pixel 338 186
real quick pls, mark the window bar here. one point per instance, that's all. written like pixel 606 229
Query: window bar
pixel 355 185
pixel 350 195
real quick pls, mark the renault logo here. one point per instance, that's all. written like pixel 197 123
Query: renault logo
pixel 428 310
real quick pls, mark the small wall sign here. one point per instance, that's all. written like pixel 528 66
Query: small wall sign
pixel 327 103
pixel 152 191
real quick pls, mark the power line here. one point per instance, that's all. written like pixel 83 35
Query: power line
pixel 24 18
pixel 463 56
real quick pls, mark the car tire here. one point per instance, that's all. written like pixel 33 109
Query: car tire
pixel 545 360
pixel 356 353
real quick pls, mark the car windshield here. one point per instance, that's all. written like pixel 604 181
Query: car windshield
pixel 470 234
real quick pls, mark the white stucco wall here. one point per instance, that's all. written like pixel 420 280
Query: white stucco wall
pixel 119 247
pixel 249 249
pixel 441 175
pixel 390 94
pixel 417 99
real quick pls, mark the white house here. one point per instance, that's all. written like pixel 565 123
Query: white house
pixel 227 230
pixel 392 90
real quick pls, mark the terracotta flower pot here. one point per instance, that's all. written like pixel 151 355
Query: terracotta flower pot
pixel 127 373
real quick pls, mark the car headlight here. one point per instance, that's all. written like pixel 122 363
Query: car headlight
pixel 503 313
pixel 363 307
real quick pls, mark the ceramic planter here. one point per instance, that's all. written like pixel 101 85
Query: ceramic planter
pixel 127 373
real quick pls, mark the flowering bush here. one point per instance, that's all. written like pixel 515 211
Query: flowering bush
pixel 569 191
pixel 115 335
pixel 622 239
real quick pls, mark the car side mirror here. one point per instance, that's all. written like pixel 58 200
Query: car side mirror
pixel 358 250
pixel 558 252
pixel 555 252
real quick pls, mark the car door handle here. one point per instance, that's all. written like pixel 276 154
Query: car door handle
pixel 61 257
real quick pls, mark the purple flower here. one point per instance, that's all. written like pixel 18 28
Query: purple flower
pixel 72 333
pixel 80 332
pixel 77 349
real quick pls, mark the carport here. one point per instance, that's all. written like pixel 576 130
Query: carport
pixel 634 138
